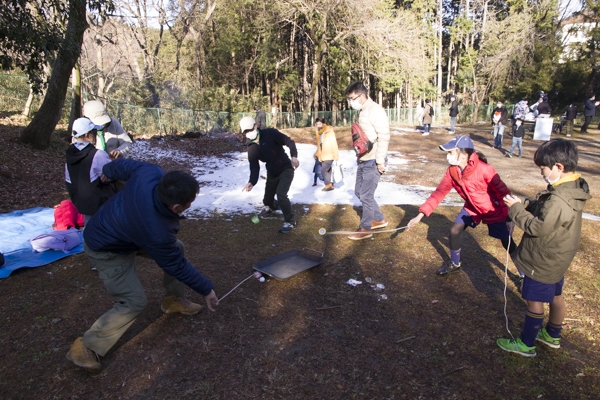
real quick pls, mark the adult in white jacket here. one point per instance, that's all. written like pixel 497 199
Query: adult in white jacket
pixel 373 120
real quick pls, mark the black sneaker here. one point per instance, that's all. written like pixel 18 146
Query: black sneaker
pixel 287 227
pixel 448 268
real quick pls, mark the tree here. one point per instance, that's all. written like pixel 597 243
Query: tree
pixel 30 34
pixel 38 132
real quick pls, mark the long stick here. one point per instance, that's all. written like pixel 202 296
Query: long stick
pixel 372 231
pixel 228 293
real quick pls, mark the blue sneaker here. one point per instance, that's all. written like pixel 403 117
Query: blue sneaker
pixel 287 227
pixel 516 346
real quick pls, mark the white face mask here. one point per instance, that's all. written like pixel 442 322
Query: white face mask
pixel 252 134
pixel 518 123
pixel 551 181
pixel 451 159
pixel 355 104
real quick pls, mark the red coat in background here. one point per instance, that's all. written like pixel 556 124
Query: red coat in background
pixel 481 188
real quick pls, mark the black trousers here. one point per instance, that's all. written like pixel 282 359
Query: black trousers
pixel 280 186
pixel 585 125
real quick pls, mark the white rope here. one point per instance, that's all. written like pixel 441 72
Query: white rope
pixel 228 293
pixel 506 279
pixel 372 231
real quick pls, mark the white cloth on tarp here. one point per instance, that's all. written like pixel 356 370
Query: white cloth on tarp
pixel 543 128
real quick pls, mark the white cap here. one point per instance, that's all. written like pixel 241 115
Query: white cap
pixel 95 111
pixel 81 126
pixel 247 123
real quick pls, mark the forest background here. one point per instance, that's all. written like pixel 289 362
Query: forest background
pixel 293 55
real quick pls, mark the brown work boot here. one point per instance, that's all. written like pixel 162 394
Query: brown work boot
pixel 83 357
pixel 173 304
pixel 379 224
pixel 328 188
pixel 361 233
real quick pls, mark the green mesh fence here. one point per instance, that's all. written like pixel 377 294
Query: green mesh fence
pixel 14 91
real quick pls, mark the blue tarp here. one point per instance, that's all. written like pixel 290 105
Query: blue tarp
pixel 16 229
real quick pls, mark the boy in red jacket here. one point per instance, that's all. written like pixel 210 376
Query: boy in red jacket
pixel 482 189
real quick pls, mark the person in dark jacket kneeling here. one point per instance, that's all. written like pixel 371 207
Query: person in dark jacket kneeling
pixel 143 217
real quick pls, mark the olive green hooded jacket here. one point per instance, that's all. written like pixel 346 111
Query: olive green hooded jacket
pixel 552 229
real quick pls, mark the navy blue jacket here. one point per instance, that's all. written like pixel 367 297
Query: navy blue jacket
pixel 135 219
pixel 454 108
pixel 590 108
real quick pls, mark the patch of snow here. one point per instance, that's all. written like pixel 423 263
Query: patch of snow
pixel 222 179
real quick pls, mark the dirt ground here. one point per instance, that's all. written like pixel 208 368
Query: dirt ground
pixel 313 336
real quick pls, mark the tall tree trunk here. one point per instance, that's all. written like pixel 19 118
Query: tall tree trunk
pixel 39 131
pixel 449 87
pixel 439 55
pixel 28 103
pixel 467 17
pixel 313 98
pixel 305 84
pixel 76 99
pixel 99 61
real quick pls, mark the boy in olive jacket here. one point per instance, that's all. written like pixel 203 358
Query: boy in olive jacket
pixel 552 232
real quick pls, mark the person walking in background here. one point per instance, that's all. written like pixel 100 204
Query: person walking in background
pixel 517 139
pixel 111 137
pixel 374 122
pixel 266 145
pixel 427 117
pixel 570 115
pixel 499 119
pixel 588 112
pixel 261 118
pixel 453 113
pixel 327 151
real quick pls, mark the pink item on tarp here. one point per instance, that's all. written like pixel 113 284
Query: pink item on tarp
pixel 63 240
pixel 66 216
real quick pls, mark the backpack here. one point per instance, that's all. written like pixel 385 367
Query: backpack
pixel 361 143
pixel 57 240
pixel 66 216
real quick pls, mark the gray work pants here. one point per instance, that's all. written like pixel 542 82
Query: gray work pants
pixel 117 271
pixel 367 179
pixel 326 171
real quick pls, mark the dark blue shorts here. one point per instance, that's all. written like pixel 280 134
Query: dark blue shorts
pixel 497 230
pixel 542 292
